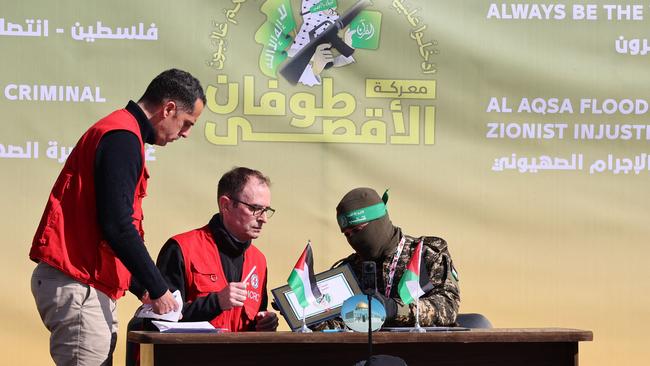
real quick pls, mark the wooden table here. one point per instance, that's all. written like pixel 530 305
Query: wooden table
pixel 485 347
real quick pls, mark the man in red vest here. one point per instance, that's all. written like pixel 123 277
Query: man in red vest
pixel 89 244
pixel 220 273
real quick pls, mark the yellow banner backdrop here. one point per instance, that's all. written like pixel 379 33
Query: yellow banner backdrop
pixel 517 131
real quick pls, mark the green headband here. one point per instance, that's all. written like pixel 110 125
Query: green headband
pixel 323 5
pixel 364 214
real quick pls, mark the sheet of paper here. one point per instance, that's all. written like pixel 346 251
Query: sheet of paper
pixel 146 311
pixel 186 327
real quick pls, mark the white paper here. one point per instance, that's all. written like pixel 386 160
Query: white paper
pixel 184 327
pixel 146 310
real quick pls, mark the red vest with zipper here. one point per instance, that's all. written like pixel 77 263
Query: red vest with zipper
pixel 68 237
pixel 204 274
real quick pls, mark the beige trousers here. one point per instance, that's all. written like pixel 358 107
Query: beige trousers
pixel 81 319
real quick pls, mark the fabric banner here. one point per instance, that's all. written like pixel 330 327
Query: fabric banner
pixel 516 131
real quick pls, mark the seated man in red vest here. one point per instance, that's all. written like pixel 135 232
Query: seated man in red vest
pixel 220 273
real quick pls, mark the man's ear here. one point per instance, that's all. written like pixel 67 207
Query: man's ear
pixel 224 203
pixel 168 108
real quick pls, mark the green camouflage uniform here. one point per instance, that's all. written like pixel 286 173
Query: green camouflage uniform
pixel 438 307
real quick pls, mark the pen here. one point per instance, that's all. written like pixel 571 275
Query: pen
pixel 249 274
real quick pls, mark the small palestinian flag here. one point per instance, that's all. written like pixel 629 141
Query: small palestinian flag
pixel 415 280
pixel 302 280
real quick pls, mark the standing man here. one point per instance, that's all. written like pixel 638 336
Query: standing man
pixel 220 273
pixel 89 242
pixel 363 219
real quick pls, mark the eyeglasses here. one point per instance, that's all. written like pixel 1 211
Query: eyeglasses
pixel 257 210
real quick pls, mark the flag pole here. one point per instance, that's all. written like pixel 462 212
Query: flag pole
pixel 304 328
pixel 302 282
pixel 418 328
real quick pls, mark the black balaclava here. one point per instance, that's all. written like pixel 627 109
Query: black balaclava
pixel 379 238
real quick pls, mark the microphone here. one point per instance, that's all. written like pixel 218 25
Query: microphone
pixel 369 277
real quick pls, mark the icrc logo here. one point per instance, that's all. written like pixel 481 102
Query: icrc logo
pixel 255 281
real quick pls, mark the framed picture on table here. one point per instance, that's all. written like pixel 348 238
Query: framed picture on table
pixel 336 285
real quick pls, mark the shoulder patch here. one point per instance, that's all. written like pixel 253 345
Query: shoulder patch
pixel 435 243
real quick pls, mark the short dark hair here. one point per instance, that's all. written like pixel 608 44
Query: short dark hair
pixel 232 182
pixel 177 85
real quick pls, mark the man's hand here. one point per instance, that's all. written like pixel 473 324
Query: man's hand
pixel 266 321
pixel 348 37
pixel 232 295
pixel 164 304
pixel 390 305
pixel 322 56
pixel 145 298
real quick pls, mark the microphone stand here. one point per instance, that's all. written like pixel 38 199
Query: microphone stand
pixel 369 328
pixel 369 287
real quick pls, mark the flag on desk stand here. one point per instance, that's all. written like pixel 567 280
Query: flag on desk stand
pixel 415 282
pixel 302 280
pixel 303 283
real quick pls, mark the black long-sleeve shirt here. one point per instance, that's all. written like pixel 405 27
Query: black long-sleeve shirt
pixel 118 164
pixel 231 253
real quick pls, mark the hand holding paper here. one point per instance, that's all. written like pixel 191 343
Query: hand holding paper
pixel 164 304
pixel 146 310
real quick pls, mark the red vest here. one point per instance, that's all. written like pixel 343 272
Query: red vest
pixel 69 237
pixel 204 274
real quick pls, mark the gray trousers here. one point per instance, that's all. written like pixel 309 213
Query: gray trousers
pixel 81 319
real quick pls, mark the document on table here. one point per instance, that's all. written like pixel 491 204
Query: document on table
pixel 186 327
pixel 146 310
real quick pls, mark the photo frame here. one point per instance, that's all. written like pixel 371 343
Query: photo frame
pixel 336 286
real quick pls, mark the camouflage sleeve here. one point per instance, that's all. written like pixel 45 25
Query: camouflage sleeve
pixel 336 323
pixel 439 306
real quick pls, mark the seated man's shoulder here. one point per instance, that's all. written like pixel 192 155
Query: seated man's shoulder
pixel 190 235
pixel 351 260
pixel 255 250
pixel 433 242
